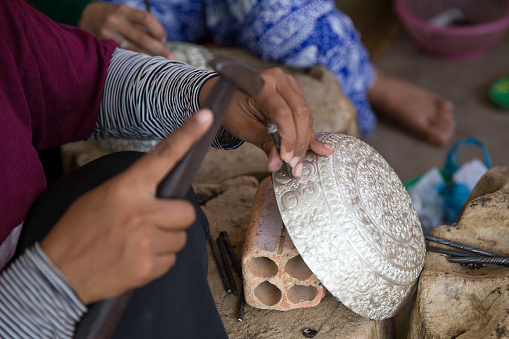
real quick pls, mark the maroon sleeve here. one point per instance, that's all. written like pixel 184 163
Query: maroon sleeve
pixel 60 69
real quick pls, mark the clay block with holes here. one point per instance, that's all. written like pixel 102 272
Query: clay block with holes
pixel 275 276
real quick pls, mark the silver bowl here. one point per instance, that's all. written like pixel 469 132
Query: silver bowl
pixel 354 225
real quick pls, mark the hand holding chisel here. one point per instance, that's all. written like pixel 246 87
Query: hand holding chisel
pixel 272 130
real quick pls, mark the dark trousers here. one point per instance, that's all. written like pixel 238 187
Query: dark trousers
pixel 178 305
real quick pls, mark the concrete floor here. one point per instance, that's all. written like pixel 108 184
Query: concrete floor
pixel 466 84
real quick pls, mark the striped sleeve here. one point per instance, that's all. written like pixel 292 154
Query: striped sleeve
pixel 150 97
pixel 35 299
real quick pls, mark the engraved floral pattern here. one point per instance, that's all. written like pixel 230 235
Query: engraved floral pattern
pixel 354 225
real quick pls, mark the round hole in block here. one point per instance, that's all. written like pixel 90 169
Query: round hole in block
pixel 263 267
pixel 298 293
pixel 268 293
pixel 297 268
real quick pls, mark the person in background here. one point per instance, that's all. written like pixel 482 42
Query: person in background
pixel 299 33
pixel 100 231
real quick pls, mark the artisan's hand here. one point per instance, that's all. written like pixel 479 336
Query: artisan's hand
pixel 281 102
pixel 130 28
pixel 119 235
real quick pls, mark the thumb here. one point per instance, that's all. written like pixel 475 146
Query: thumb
pixel 152 167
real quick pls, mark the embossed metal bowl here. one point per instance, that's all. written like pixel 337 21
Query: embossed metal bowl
pixel 354 225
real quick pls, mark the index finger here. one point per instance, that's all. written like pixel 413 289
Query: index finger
pixel 299 127
pixel 147 20
pixel 154 166
pixel 142 41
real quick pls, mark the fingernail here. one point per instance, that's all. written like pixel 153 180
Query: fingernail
pixel 170 56
pixel 294 162
pixel 329 147
pixel 288 156
pixel 204 116
pixel 298 170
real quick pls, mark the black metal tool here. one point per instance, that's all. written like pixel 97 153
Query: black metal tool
pixel 147 5
pixel 272 130
pixel 480 260
pixel 472 256
pixel 233 258
pixel 236 266
pixel 101 320
pixel 446 251
pixel 462 246
pixel 219 264
pixel 227 269
pixel 242 305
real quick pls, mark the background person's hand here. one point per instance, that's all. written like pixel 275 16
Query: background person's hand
pixel 281 102
pixel 119 236
pixel 130 28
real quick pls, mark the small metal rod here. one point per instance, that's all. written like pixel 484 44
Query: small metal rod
pixel 446 251
pixel 481 260
pixel 236 266
pixel 272 130
pixel 147 5
pixel 227 268
pixel 242 306
pixel 233 258
pixel 219 264
pixel 462 246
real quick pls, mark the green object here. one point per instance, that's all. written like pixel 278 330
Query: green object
pixel 412 182
pixel 499 92
pixel 62 11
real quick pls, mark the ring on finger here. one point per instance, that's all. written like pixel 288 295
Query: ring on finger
pixel 124 43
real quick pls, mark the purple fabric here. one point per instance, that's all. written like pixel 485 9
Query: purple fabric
pixel 51 83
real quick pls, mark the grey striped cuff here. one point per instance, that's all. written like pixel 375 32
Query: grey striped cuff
pixel 35 299
pixel 148 98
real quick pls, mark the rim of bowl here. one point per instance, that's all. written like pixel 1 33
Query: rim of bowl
pixel 477 29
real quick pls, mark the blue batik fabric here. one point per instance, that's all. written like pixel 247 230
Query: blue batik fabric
pixel 299 33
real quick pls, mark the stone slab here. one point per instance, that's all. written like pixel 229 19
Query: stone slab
pixel 454 301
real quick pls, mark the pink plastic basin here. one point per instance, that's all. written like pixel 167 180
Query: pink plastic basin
pixel 488 21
